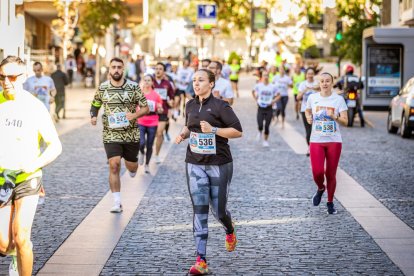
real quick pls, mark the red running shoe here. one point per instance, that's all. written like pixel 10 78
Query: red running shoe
pixel 199 268
pixel 231 240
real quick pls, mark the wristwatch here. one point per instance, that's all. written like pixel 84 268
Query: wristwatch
pixel 214 130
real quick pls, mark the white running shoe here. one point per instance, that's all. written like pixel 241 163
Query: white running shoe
pixel 13 267
pixel 265 144
pixel 157 159
pixel 116 208
pixel 147 169
pixel 259 137
pixel 141 157
pixel 132 174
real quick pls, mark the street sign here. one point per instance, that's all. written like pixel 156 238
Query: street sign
pixel 259 19
pixel 206 15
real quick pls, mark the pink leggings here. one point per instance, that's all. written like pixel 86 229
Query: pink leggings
pixel 319 152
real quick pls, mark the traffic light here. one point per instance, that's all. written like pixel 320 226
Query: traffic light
pixel 339 31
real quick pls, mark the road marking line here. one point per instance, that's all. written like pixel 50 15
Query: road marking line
pixel 387 230
pixel 89 246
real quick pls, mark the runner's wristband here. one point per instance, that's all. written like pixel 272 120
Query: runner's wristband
pixel 94 111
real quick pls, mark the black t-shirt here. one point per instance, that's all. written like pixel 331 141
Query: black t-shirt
pixel 217 113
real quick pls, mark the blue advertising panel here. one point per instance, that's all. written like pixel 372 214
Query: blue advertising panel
pixel 384 71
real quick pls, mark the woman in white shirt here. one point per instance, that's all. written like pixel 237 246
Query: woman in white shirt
pixel 265 95
pixel 282 83
pixel 307 88
pixel 325 111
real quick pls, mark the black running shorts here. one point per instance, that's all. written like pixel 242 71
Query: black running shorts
pixel 179 92
pixel 128 151
pixel 26 188
pixel 163 118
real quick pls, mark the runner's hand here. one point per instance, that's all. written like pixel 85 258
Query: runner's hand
pixel 93 121
pixel 330 113
pixel 180 138
pixel 205 127
pixel 131 116
pixel 309 119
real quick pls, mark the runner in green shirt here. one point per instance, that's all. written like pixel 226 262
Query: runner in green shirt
pixel 298 77
pixel 234 76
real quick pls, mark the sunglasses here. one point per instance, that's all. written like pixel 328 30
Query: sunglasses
pixel 10 77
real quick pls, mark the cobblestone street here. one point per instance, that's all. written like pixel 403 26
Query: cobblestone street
pixel 279 231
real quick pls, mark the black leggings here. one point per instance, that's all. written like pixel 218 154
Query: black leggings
pixel 281 106
pixel 266 115
pixel 308 127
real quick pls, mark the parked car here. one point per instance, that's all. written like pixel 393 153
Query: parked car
pixel 401 111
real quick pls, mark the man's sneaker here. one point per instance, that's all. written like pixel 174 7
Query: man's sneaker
pixel 199 268
pixel 331 208
pixel 141 158
pixel 147 169
pixel 231 240
pixel 157 159
pixel 317 197
pixel 265 144
pixel 116 208
pixel 13 267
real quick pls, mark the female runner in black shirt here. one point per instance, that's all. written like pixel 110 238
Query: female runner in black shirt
pixel 210 122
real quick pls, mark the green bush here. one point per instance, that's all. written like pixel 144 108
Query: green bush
pixel 313 52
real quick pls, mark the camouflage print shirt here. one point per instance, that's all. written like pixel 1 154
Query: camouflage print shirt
pixel 113 99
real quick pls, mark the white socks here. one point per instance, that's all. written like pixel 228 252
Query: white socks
pixel 117 198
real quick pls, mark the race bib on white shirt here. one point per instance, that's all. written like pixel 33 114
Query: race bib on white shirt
pixel 162 92
pixel 325 128
pixel 203 143
pixel 151 105
pixel 265 99
pixel 118 120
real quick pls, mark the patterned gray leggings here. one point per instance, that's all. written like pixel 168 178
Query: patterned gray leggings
pixel 209 185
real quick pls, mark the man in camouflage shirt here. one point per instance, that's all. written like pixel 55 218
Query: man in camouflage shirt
pixel 119 98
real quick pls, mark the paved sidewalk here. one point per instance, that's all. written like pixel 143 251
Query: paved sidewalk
pixel 280 232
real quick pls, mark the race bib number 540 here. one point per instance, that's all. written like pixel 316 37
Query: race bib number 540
pixel 203 143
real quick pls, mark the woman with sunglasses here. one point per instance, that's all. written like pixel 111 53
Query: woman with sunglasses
pixel 325 111
pixel 210 122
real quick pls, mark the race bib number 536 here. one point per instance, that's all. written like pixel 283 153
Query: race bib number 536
pixel 203 143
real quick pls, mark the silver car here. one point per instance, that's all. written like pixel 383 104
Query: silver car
pixel 401 111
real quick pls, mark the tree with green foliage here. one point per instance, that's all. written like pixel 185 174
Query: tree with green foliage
pixel 360 14
pixel 99 15
pixel 64 26
pixel 308 45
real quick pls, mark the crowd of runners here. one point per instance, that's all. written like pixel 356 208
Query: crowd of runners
pixel 136 116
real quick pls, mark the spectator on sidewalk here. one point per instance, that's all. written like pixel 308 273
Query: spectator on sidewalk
pixel 140 67
pixel 131 73
pixel 70 66
pixel 61 80
pixel 42 87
